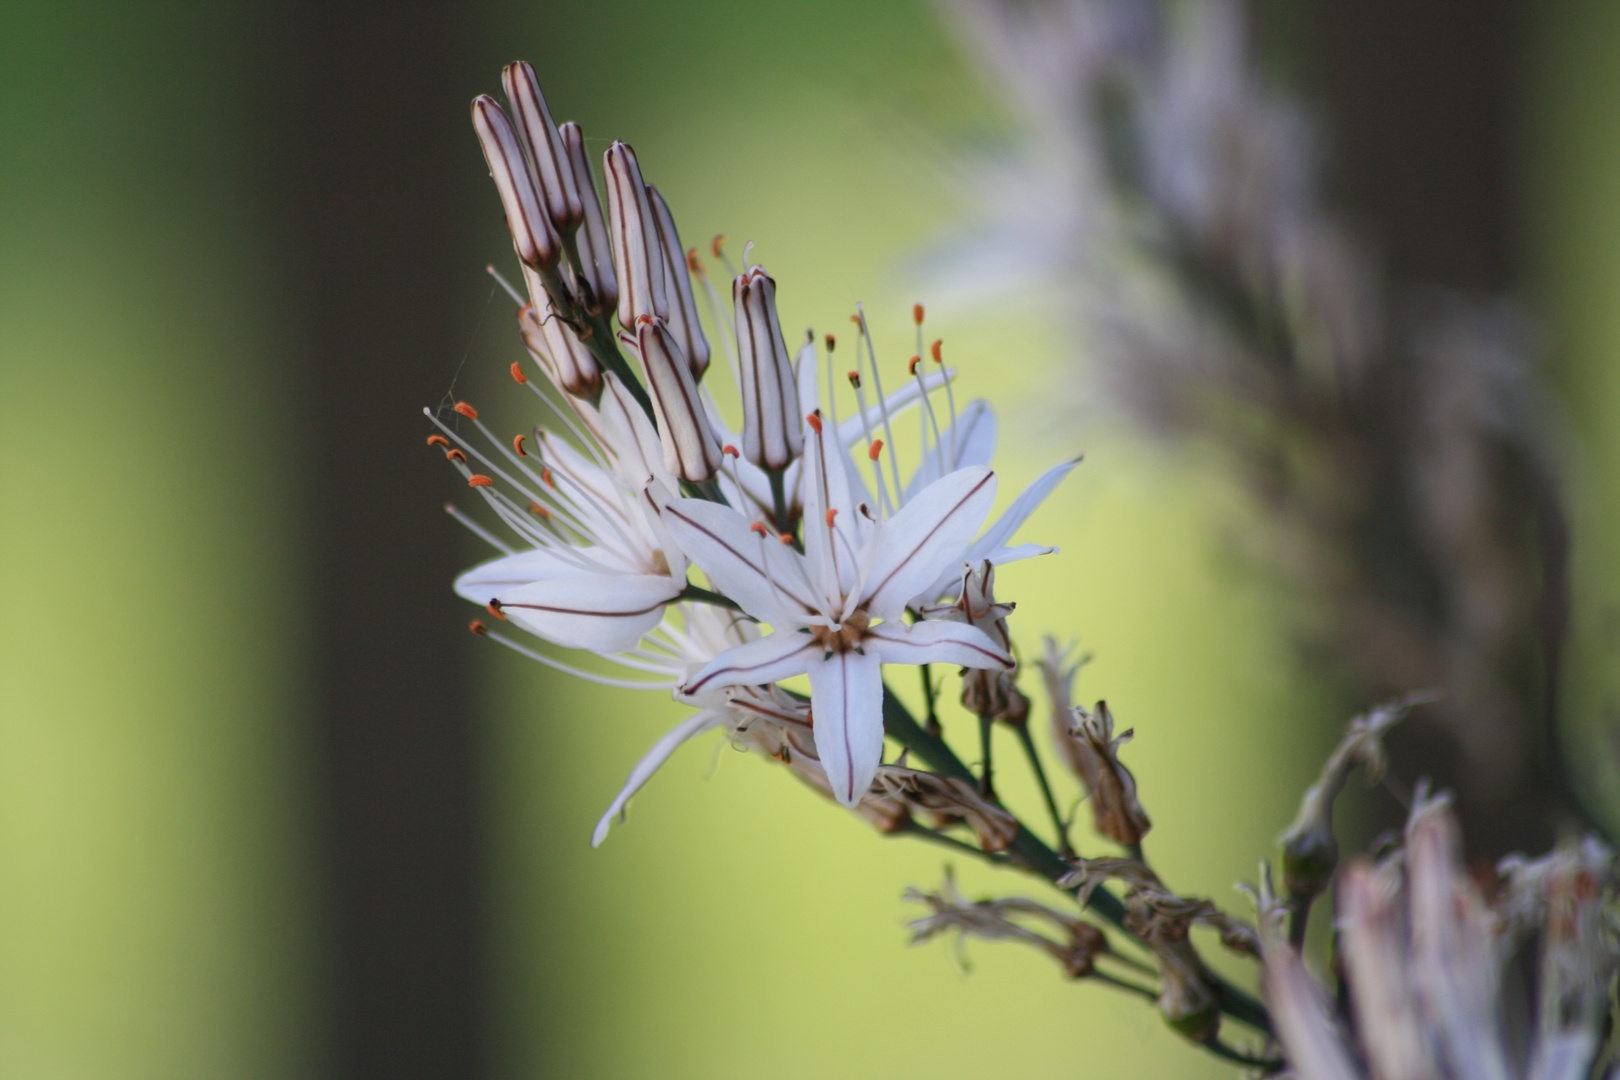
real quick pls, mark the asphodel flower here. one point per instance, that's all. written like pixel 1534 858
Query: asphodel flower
pixel 837 609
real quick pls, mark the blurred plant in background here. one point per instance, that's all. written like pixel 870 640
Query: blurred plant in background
pixel 1164 201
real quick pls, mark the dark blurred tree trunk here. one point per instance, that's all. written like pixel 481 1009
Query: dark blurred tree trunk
pixel 367 118
pixel 1420 100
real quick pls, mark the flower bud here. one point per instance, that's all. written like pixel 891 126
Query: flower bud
pixel 560 353
pixel 683 315
pixel 691 451
pixel 772 436
pixel 558 190
pixel 638 258
pixel 532 233
pixel 594 251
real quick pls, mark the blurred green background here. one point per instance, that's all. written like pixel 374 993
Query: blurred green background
pixel 267 810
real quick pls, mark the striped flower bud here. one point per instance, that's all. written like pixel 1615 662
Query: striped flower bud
pixel 772 435
pixel 691 451
pixel 594 251
pixel 557 186
pixel 683 315
pixel 555 346
pixel 638 259
pixel 532 233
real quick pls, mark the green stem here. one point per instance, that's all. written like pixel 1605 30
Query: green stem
pixel 1299 913
pixel 1221 1050
pixel 1125 984
pixel 932 724
pixel 1028 849
pixel 987 786
pixel 779 499
pixel 1058 824
pixel 935 836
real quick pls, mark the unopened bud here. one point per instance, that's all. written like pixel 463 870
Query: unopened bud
pixel 560 353
pixel 532 233
pixel 595 254
pixel 638 257
pixel 683 315
pixel 691 451
pixel 772 436
pixel 557 185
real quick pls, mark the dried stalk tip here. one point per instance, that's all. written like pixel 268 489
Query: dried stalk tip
pixel 1310 852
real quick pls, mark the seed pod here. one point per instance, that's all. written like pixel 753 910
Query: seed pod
pixel 532 233
pixel 557 186
pixel 691 451
pixel 683 315
pixel 772 436
pixel 594 251
pixel 638 259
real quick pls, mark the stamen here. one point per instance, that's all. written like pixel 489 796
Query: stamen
pixel 692 262
pixel 456 455
pixel 855 379
pixel 814 420
pixel 437 440
pixel 517 373
pixel 911 365
pixel 883 405
pixel 466 410
pixel 758 527
pixel 539 511
pixel 786 538
pixel 875 449
pixel 545 478
pixel 568 669
pixel 950 399
pixel 479 480
pixel 494 608
pixel 476 529
pixel 872 445
pixel 517 444
pixel 928 415
pixel 507 285
pixel 832 512
pixel 478 628
pixel 917 314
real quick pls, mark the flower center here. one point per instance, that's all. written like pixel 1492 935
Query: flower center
pixel 848 636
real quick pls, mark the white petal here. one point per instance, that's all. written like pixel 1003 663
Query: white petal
pixel 600 612
pixel 650 762
pixel 997 535
pixel 932 642
pixel 804 366
pixel 486 581
pixel 846 708
pixel 972 439
pixel 766 578
pixel 772 658
pixel 929 535
pixel 833 536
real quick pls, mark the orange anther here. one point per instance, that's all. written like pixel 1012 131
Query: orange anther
pixel 517 372
pixel 517 444
pixel 456 455
pixel 757 527
pixel 715 245
pixel 832 342
pixel 856 319
pixel 692 262
pixel 545 475
pixel 645 320
pixel 917 314
pixel 933 350
pixel 478 628
pixel 732 450
pixel 466 410
pixel 832 513
pixel 526 310
pixel 479 480
pixel 786 538
pixel 494 607
pixel 438 440
pixel 911 365
pixel 539 511
pixel 814 420
pixel 855 379
pixel 875 449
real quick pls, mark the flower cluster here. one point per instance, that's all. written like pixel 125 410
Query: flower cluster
pixel 820 555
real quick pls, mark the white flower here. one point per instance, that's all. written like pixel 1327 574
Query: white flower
pixel 836 609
